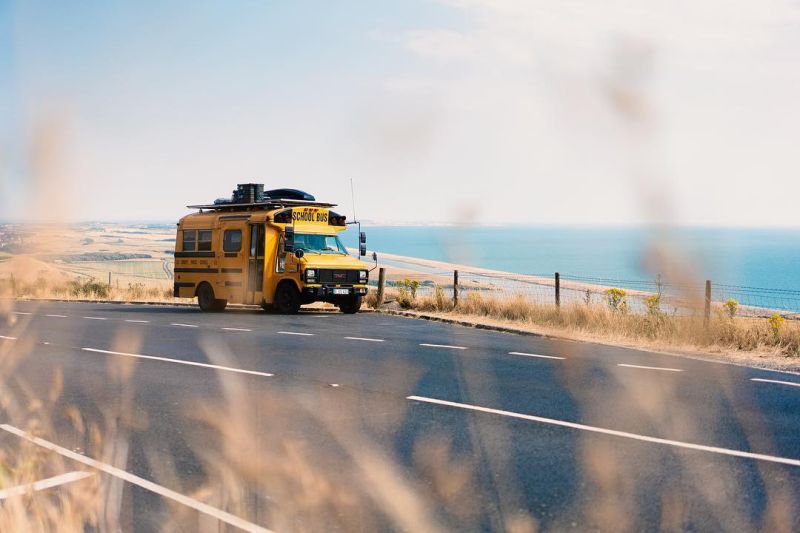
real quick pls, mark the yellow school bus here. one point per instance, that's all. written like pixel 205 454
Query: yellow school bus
pixel 279 249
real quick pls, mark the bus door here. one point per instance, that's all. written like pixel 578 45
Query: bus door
pixel 232 260
pixel 255 264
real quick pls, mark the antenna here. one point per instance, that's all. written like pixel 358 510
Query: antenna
pixel 353 199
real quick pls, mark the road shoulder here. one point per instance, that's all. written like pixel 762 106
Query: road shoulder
pixel 758 359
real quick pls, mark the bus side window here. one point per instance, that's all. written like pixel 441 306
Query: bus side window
pixel 280 260
pixel 204 241
pixel 189 240
pixel 232 241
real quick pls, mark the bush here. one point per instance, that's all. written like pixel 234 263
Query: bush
pixel 371 299
pixel 406 292
pixel 616 300
pixel 404 299
pixel 87 289
pixel 96 289
pixel 409 285
pixel 443 302
pixel 731 307
pixel 439 301
pixel 653 304
pixel 776 322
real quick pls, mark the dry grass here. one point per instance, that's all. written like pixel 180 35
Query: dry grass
pixel 74 506
pixel 601 322
pixel 86 289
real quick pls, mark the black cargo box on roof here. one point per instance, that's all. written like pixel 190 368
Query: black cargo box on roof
pixel 250 196
pixel 288 194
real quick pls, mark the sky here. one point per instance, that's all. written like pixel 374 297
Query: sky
pixel 440 111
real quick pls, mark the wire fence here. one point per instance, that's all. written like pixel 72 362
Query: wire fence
pixel 638 295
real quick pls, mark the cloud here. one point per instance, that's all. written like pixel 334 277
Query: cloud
pixel 443 44
pixel 626 104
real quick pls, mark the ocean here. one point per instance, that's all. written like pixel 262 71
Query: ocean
pixel 767 258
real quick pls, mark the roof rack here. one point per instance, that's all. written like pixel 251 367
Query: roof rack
pixel 260 206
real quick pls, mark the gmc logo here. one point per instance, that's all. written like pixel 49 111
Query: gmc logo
pixel 339 276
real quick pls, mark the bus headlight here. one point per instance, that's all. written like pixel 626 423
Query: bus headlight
pixel 362 275
pixel 311 274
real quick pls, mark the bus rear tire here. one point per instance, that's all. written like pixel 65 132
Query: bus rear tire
pixel 351 305
pixel 287 299
pixel 208 303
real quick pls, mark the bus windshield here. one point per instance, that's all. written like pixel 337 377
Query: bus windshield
pixel 319 244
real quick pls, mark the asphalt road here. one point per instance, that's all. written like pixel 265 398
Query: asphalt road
pixel 245 419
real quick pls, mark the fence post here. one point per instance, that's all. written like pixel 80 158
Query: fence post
pixel 558 289
pixel 707 313
pixel 381 286
pixel 455 288
pixel 109 281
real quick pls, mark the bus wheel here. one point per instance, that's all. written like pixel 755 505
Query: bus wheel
pixel 351 305
pixel 287 299
pixel 205 297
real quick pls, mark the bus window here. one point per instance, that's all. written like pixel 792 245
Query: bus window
pixel 232 240
pixel 189 240
pixel 204 241
pixel 280 262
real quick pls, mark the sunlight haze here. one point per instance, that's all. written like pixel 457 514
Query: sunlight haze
pixel 457 111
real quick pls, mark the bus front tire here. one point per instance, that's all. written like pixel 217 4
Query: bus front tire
pixel 351 305
pixel 208 303
pixel 287 299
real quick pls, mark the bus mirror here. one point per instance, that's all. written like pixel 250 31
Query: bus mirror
pixel 362 238
pixel 375 256
pixel 299 253
pixel 362 250
pixel 288 241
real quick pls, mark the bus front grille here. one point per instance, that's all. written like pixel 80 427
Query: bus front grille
pixel 330 275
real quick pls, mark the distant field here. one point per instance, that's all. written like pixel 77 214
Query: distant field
pixel 124 269
pixel 134 254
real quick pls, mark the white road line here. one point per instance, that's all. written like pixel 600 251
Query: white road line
pixel 8 338
pixel 536 355
pixel 20 313
pixel 613 432
pixel 443 346
pixel 183 325
pixel 651 367
pixel 295 333
pixel 181 362
pixel 141 482
pixel 790 383
pixel 57 316
pixel 95 318
pixel 364 339
pixel 236 329
pixel 138 321
pixel 43 484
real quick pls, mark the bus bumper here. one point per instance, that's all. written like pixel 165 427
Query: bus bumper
pixel 318 292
